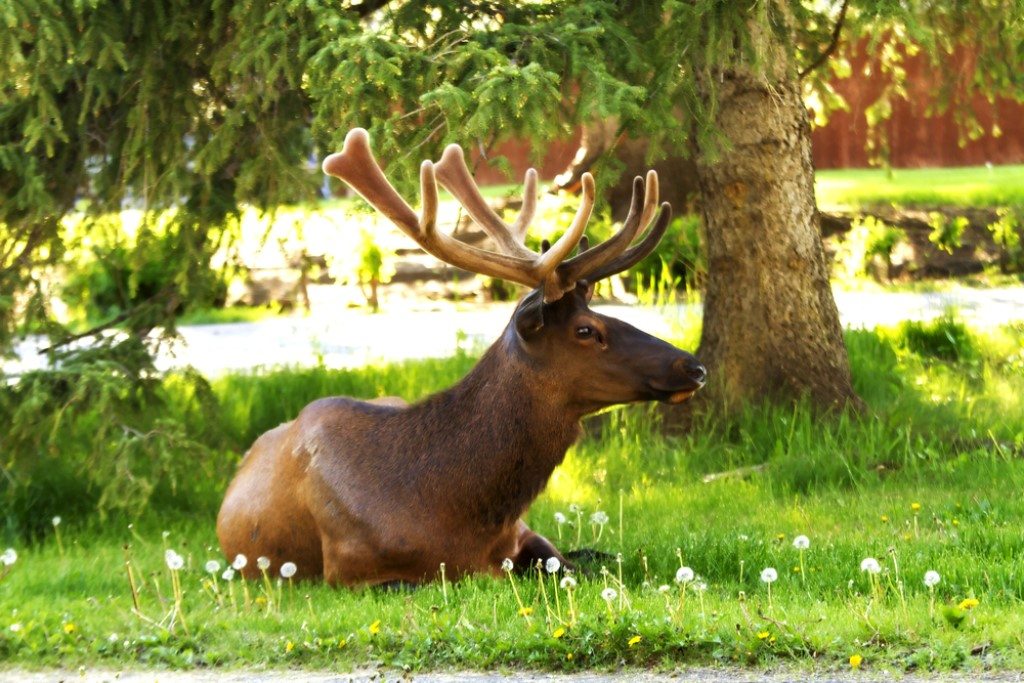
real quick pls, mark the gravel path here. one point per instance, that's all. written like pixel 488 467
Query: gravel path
pixel 350 337
pixel 627 676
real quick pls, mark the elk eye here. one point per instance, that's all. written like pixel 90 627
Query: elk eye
pixel 584 332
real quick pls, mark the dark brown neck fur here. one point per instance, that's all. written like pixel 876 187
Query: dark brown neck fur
pixel 494 438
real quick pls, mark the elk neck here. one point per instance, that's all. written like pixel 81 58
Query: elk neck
pixel 496 435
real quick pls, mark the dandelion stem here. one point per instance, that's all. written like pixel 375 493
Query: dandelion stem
pixel 444 585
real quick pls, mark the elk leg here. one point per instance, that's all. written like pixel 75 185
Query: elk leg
pixel 533 548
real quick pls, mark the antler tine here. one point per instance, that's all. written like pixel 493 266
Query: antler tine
pixel 638 251
pixel 356 166
pixel 554 287
pixel 583 264
pixel 529 208
pixel 453 173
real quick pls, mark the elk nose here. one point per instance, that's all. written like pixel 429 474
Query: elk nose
pixel 692 368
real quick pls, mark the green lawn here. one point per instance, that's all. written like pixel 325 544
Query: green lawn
pixel 929 479
pixel 974 186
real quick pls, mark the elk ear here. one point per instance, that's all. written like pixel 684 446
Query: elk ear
pixel 529 317
pixel 588 294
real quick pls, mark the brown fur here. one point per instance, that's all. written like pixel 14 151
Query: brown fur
pixel 376 492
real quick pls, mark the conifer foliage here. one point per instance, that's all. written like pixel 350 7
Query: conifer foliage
pixel 187 109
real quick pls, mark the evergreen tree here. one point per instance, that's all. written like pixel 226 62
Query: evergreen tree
pixel 201 106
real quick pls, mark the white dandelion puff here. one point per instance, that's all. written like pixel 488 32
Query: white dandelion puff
pixel 684 575
pixel 600 518
pixel 931 578
pixel 769 575
pixel 506 565
pixel 15 627
pixel 801 542
pixel 263 563
pixel 288 570
pixel 174 560
pixel 212 566
pixel 56 520
pixel 552 565
pixel 228 574
pixel 870 565
pixel 664 588
pixel 700 586
pixel 9 557
pixel 609 594
pixel 568 583
pixel 240 562
pixel 560 518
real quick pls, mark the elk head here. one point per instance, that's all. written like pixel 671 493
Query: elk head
pixel 594 360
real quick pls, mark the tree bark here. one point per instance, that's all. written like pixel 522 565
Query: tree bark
pixel 771 327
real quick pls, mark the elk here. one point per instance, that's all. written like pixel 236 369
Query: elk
pixel 381 492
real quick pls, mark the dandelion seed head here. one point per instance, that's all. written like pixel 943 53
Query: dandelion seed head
pixel 870 565
pixel 174 560
pixel 288 570
pixel 506 565
pixel 560 518
pixel 552 565
pixel 568 583
pixel 684 575
pixel 212 566
pixel 664 588
pixel 575 509
pixel 56 520
pixel 931 578
pixel 609 594
pixel 15 627
pixel 228 574
pixel 600 518
pixel 239 562
pixel 769 575
pixel 263 563
pixel 700 586
pixel 166 535
pixel 9 557
pixel 801 542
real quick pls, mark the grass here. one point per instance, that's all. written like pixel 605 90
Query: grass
pixel 973 186
pixel 929 479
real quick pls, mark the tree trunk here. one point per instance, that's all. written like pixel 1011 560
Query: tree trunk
pixel 771 328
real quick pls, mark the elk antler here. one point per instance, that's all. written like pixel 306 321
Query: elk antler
pixel 357 167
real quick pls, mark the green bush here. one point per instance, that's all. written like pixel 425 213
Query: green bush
pixel 945 338
pixel 680 256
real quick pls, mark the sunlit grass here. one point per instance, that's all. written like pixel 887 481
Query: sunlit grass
pixel 973 186
pixel 928 479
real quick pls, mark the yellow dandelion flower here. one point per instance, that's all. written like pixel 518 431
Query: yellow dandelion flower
pixel 70 628
pixel 525 611
pixel 342 642
pixel 634 640
pixel 916 507
pixel 260 600
pixel 375 627
pixel 907 537
pixel 969 603
pixel 569 656
pixel 289 646
pixel 885 519
pixel 763 635
pixel 771 641
pixel 956 522
pixel 780 537
pixel 855 661
pixel 796 570
pixel 558 632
